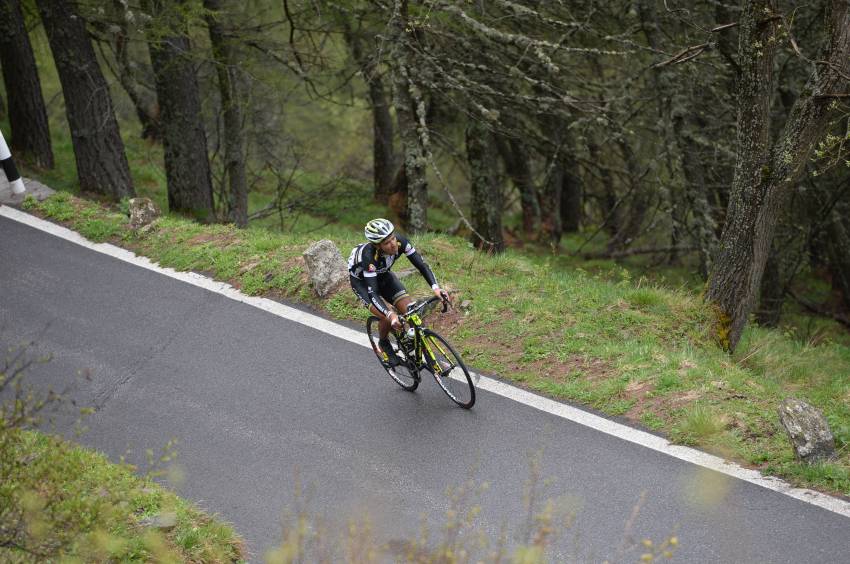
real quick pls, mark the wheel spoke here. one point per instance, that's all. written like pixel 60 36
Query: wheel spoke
pixel 402 375
pixel 448 370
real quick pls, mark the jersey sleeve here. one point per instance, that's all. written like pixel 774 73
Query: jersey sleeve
pixel 416 259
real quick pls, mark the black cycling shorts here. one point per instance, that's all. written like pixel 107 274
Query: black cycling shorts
pixel 389 287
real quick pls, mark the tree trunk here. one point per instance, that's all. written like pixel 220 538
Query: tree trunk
pixel 515 156
pixel 838 254
pixel 610 205
pixel 696 190
pixel 571 193
pixel 410 112
pixel 641 197
pixel 235 178
pixel 772 292
pixel 487 200
pixel 187 167
pixel 552 199
pixel 98 149
pixel 144 102
pixel 383 154
pixel 763 178
pixel 30 139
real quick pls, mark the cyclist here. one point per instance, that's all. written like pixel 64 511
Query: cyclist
pixel 369 273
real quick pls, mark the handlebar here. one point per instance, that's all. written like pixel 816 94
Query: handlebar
pixel 415 308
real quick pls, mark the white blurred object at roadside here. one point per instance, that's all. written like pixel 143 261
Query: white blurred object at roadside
pixel 9 168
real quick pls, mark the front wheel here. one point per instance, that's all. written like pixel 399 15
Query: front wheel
pixel 402 375
pixel 448 369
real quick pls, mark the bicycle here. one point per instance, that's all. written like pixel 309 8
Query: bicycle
pixel 420 348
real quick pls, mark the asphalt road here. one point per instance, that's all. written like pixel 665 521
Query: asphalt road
pixel 259 404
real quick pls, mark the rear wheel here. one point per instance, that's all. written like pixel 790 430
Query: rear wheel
pixel 448 369
pixel 404 377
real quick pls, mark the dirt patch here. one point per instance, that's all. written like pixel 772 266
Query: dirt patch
pixel 509 353
pixel 447 323
pixel 220 239
pixel 660 406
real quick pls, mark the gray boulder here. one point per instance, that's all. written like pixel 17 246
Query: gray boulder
pixel 142 212
pixel 325 267
pixel 808 430
pixel 33 188
pixel 161 521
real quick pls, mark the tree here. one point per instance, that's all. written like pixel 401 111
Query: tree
pixel 383 154
pixel 27 114
pixel 116 32
pixel 187 166
pixel 98 149
pixel 765 173
pixel 410 112
pixel 515 155
pixel 486 192
pixel 235 182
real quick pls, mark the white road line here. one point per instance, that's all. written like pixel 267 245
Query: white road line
pixel 547 405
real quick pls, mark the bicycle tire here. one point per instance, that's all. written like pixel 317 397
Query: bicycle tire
pixel 457 383
pixel 401 374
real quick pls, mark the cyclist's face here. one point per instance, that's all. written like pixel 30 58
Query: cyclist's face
pixel 389 245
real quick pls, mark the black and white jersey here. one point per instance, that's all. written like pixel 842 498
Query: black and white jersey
pixel 367 263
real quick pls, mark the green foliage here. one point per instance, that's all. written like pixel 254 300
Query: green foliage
pixel 71 503
pixel 699 425
pixel 63 502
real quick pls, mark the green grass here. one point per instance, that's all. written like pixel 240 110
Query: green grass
pixel 699 425
pixel 71 504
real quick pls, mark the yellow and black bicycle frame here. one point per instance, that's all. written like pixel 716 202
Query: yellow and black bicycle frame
pixel 423 345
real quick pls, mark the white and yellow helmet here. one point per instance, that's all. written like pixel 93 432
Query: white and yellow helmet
pixel 378 229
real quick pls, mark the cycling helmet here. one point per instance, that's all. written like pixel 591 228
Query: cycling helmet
pixel 378 229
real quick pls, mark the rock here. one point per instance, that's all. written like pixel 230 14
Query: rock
pixel 34 189
pixel 142 212
pixel 808 430
pixel 325 267
pixel 466 305
pixel 162 521
pixel 149 228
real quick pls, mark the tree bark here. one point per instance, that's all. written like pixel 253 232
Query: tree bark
pixel 838 255
pixel 764 177
pixel 487 202
pixel 552 199
pixel 235 178
pixel 571 193
pixel 641 197
pixel 410 112
pixel 98 149
pixel 610 205
pixel 187 167
pixel 516 159
pixel 678 114
pixel 144 102
pixel 383 154
pixel 30 139
pixel 772 292
pixel 696 189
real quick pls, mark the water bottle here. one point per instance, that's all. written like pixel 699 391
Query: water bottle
pixel 410 334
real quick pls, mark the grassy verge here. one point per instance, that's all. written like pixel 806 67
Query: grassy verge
pixel 63 502
pixel 630 348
